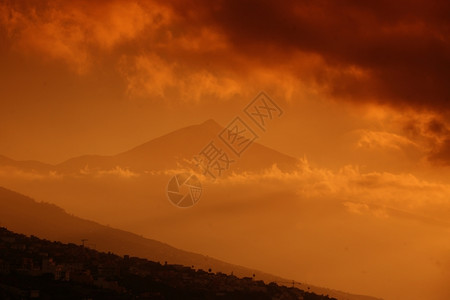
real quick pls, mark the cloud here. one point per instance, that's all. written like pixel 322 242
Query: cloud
pixel 14 173
pixel 395 53
pixel 362 208
pixel 7 173
pixel 389 53
pixel 98 173
pixel 401 48
pixel 441 155
pixel 117 171
pixel 432 131
pixel 379 139
pixel 381 194
pixel 150 76
pixel 392 53
pixel 75 31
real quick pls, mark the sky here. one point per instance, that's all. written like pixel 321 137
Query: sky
pixel 363 87
pixel 102 77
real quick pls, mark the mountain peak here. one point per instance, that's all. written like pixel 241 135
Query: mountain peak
pixel 211 126
pixel 210 122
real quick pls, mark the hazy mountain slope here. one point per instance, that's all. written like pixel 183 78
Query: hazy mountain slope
pixel 22 214
pixel 27 165
pixel 166 152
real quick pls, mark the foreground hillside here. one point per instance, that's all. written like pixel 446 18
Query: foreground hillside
pixel 22 214
pixel 31 267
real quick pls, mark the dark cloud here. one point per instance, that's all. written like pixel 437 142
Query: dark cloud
pixel 437 127
pixel 435 133
pixel 390 52
pixel 403 46
pixel 440 152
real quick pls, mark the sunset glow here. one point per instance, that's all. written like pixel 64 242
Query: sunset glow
pixel 347 185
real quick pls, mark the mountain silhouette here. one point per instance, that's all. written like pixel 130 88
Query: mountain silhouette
pixel 169 151
pixel 27 165
pixel 23 215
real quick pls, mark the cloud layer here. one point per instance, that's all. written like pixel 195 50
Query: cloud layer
pixel 394 53
pixel 390 53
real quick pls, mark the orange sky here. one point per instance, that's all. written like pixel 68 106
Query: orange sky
pixel 99 78
pixel 364 88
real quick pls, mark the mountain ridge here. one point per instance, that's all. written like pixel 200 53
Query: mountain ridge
pixel 24 215
pixel 167 151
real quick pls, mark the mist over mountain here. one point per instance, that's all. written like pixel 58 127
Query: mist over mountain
pixel 22 214
pixel 269 212
pixel 169 151
pixel 306 139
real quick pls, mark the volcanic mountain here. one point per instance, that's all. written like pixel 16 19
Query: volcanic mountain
pixel 176 148
pixel 166 152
